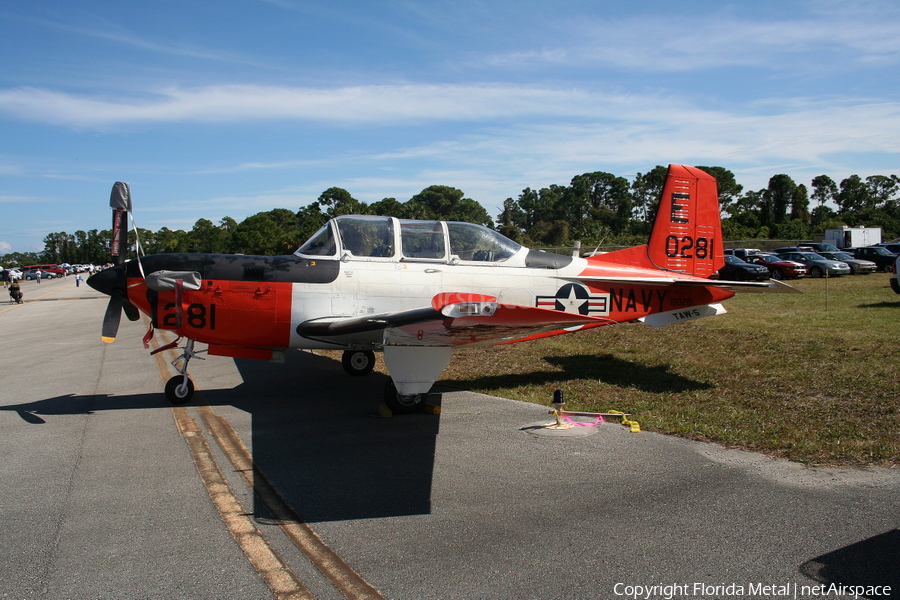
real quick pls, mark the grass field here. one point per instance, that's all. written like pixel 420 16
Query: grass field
pixel 813 378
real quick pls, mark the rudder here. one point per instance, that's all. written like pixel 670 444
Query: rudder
pixel 687 231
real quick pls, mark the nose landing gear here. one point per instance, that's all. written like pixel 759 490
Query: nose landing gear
pixel 180 388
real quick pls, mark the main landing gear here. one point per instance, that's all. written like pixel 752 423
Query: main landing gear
pixel 401 404
pixel 414 367
pixel 358 362
pixel 180 388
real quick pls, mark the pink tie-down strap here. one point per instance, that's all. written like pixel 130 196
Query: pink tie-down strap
pixel 594 424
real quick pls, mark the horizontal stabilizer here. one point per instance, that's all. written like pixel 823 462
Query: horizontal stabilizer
pixel 758 287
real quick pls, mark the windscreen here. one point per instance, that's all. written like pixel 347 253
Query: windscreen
pixel 320 244
pixel 477 243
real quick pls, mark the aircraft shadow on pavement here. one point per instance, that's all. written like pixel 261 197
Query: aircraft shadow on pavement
pixel 871 562
pixel 605 367
pixel 74 404
pixel 319 439
pixel 316 435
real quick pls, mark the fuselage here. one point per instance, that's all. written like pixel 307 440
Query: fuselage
pixel 363 267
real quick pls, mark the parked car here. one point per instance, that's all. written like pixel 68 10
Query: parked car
pixel 786 249
pixel 820 247
pixel 858 266
pixel 742 253
pixel 818 266
pixel 778 267
pixel 33 274
pixel 736 269
pixel 891 246
pixel 879 255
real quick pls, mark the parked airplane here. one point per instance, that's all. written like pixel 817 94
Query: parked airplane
pixel 418 290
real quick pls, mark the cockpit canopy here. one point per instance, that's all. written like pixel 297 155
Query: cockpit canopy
pixel 365 237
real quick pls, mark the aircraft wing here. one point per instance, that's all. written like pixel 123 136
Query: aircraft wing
pixel 772 285
pixel 452 320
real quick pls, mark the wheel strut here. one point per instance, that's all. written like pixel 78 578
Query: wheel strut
pixel 180 388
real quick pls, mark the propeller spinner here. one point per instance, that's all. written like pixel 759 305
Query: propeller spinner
pixel 112 282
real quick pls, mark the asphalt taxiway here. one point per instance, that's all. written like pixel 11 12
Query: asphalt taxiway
pixel 107 492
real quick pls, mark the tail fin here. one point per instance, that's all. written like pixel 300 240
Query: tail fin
pixel 687 231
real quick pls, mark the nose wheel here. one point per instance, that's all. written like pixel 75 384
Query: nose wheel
pixel 180 388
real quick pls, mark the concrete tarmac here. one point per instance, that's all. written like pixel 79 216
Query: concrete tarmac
pixel 100 496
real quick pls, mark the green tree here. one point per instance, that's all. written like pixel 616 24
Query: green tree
pixel 470 211
pixel 854 195
pixel 824 189
pixel 257 235
pixel 780 194
pixel 884 190
pixel 646 190
pixel 601 197
pixel 388 207
pixel 512 215
pixel 800 205
pixel 203 238
pixel 337 201
pixel 168 241
pixel 435 202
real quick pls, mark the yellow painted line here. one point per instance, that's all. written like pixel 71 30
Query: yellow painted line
pixel 276 574
pixel 326 560
pixel 323 557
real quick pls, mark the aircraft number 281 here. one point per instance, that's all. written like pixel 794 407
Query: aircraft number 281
pixel 682 247
pixel 197 315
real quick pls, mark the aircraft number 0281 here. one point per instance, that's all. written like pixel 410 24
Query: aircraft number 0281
pixel 682 247
pixel 197 316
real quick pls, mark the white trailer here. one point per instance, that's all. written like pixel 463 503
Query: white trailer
pixel 853 237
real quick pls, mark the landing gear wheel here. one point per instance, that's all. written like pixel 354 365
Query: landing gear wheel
pixel 177 392
pixel 358 362
pixel 402 405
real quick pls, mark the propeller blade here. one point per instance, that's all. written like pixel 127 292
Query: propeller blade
pixel 131 311
pixel 112 317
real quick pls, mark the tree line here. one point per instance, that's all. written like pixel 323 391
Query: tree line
pixel 595 208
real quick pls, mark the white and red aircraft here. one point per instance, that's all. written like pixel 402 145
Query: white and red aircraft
pixel 418 290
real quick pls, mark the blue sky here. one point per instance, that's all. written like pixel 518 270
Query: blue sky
pixel 228 108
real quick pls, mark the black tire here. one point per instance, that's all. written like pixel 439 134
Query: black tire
pixel 816 272
pixel 358 362
pixel 172 390
pixel 402 405
pixel 777 274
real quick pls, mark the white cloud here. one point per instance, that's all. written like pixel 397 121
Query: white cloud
pixel 686 43
pixel 355 104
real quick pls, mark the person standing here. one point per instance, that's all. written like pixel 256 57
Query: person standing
pixel 37 275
